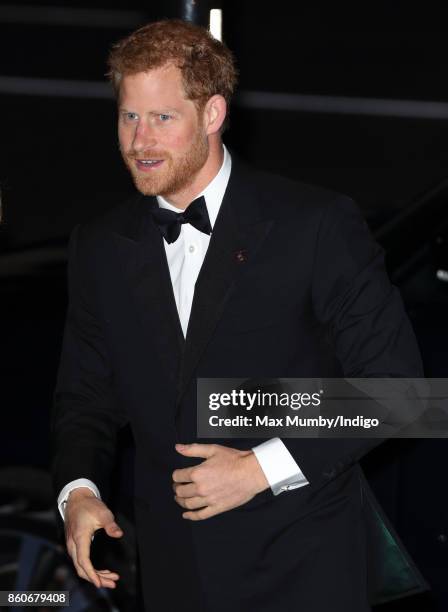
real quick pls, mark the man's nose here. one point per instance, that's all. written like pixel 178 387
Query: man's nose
pixel 144 137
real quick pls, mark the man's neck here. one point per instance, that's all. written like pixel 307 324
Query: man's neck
pixel 204 177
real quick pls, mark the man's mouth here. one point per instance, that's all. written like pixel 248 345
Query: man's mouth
pixel 148 164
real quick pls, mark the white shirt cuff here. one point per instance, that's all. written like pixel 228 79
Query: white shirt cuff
pixel 75 484
pixel 279 467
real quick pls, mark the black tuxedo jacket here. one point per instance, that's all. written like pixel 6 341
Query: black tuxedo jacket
pixel 309 298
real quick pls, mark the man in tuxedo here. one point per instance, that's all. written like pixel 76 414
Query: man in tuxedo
pixel 216 270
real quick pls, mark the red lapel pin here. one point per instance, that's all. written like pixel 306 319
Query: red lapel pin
pixel 241 256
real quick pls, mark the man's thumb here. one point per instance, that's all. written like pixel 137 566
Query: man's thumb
pixel 113 530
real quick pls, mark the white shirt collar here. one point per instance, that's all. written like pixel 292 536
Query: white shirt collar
pixel 213 193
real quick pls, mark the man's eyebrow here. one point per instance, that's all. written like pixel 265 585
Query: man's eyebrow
pixel 163 110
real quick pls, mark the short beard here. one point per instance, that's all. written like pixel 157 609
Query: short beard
pixel 180 173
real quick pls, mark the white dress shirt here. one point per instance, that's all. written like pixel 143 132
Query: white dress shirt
pixel 185 257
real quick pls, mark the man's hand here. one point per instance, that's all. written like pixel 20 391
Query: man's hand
pixel 84 514
pixel 228 478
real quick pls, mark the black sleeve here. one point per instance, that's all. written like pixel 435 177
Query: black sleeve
pixel 366 321
pixel 86 416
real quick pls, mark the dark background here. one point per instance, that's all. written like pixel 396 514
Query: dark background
pixel 59 165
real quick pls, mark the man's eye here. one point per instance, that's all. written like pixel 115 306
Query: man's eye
pixel 164 117
pixel 130 116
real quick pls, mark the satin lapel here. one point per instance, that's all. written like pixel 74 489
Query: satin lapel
pixel 143 256
pixel 238 233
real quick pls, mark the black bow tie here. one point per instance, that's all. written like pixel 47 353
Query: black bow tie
pixel 170 222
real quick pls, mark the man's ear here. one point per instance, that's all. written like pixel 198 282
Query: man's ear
pixel 215 111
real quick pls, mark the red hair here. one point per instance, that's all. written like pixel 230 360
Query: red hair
pixel 206 64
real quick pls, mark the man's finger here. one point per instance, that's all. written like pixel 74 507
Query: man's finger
pixel 107 582
pixel 196 450
pixel 191 503
pixel 81 573
pixel 83 555
pixel 199 515
pixel 113 530
pixel 185 490
pixel 72 552
pixel 182 475
pixel 106 578
pixel 108 574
